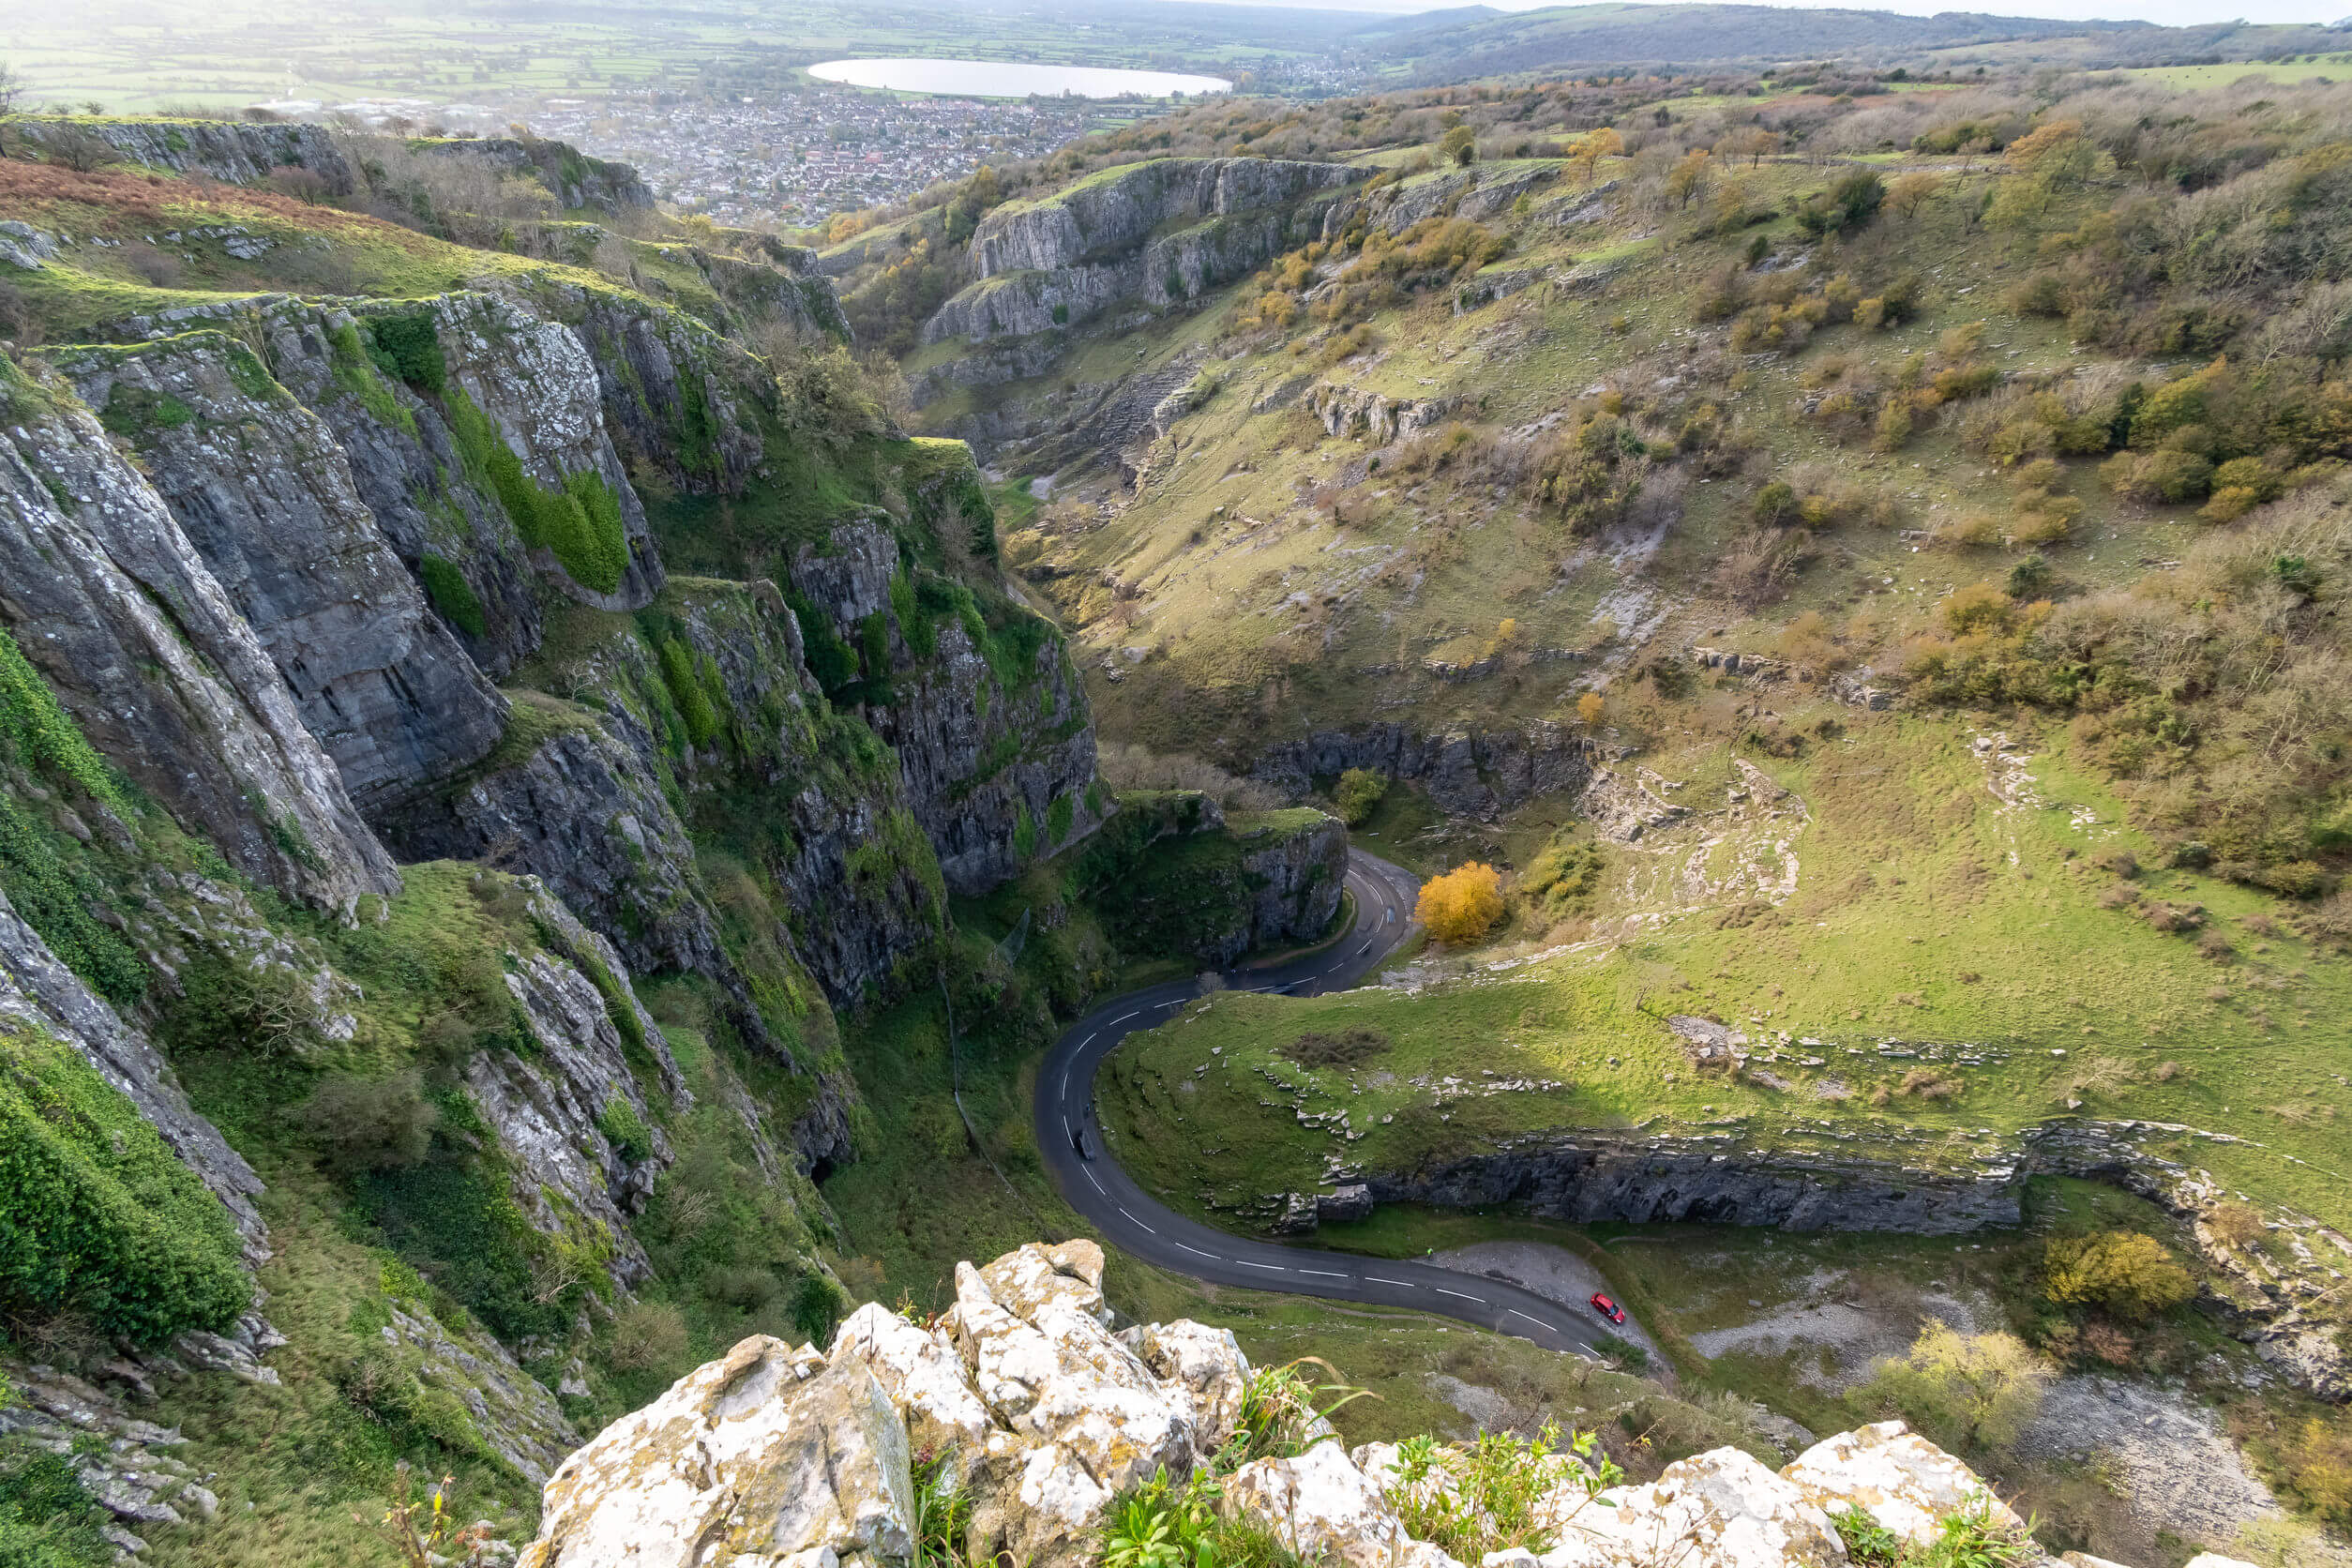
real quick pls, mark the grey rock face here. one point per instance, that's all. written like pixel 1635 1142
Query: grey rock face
pixel 263 492
pixel 1295 877
pixel 38 990
pixel 1116 213
pixel 409 473
pixel 114 604
pixel 1374 415
pixel 1467 773
pixel 976 758
pixel 538 383
pixel 787 287
pixel 235 151
pixel 1478 194
pixel 1586 1176
pixel 1156 233
pixel 551 1115
pixel 581 811
pixel 676 394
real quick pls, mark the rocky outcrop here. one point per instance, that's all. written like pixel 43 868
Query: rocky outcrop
pixel 261 487
pixel 992 752
pixel 678 398
pixel 1467 773
pixel 1022 1390
pixel 573 177
pixel 1588 1176
pixel 1480 194
pixel 1040 1416
pixel 239 152
pixel 113 602
pixel 1157 233
pixel 581 1143
pixel 577 808
pixel 785 284
pixel 1115 212
pixel 1374 415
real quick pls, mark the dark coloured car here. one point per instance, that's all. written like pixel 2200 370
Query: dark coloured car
pixel 1607 1308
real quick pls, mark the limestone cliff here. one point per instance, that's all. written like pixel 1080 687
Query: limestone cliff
pixel 1151 234
pixel 113 602
pixel 1039 1417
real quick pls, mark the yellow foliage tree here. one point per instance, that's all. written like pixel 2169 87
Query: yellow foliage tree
pixel 1591 706
pixel 1462 904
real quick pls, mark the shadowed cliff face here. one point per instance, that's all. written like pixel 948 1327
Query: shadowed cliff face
pixel 114 604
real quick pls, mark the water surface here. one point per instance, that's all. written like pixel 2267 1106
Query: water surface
pixel 1003 79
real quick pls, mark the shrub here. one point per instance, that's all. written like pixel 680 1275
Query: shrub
pixel 103 1219
pixel 2124 1271
pixel 648 1336
pixel 1463 904
pixel 48 1519
pixel 1962 1390
pixel 1359 790
pixel 1349 1048
pixel 451 595
pixel 371 1125
pixel 624 1129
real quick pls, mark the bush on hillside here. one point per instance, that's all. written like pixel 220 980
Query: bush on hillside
pixel 1358 791
pixel 2122 1272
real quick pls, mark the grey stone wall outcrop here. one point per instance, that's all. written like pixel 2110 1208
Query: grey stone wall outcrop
pixel 238 152
pixel 1466 773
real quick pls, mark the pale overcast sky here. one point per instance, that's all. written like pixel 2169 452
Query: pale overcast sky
pixel 2174 13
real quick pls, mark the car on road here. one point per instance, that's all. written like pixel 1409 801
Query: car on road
pixel 1607 1308
pixel 1078 1141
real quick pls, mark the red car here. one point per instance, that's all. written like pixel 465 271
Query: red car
pixel 1607 1308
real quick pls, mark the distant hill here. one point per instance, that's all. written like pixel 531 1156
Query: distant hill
pixel 1474 41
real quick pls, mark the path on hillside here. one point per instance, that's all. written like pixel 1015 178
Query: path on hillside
pixel 1105 1194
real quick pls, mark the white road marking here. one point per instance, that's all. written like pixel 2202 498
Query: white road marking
pixel 1376 1279
pixel 1197 1252
pixel 1323 1274
pixel 1124 1017
pixel 1443 1291
pixel 1247 1264
pixel 1098 1185
pixel 1367 943
pixel 1517 1313
pixel 1147 1229
pixel 1065 1083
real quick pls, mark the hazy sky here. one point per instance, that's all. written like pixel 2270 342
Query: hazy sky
pixel 2174 13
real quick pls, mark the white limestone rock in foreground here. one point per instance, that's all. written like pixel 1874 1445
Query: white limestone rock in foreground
pixel 773 1457
pixel 1900 1479
pixel 765 1457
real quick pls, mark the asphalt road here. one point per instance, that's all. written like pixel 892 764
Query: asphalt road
pixel 1100 1190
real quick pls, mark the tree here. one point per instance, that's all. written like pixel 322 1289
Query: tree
pixel 1462 904
pixel 1358 791
pixel 1591 706
pixel 1964 1391
pixel 1459 145
pixel 1593 145
pixel 2129 1274
pixel 1909 192
pixel 1687 180
pixel 12 88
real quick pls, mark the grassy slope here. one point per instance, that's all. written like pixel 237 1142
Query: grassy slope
pixel 1927 910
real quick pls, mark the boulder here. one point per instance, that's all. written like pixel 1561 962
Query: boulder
pixel 919 1370
pixel 1894 1475
pixel 1323 1507
pixel 765 1457
pixel 1720 1509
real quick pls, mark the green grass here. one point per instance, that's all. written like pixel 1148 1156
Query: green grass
pixel 1910 921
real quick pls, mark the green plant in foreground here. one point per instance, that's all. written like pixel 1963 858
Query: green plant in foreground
pixel 940 1512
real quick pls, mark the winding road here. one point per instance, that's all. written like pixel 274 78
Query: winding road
pixel 1099 1189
